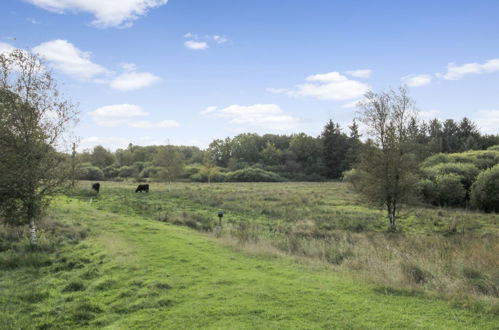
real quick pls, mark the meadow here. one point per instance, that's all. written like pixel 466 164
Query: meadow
pixel 289 255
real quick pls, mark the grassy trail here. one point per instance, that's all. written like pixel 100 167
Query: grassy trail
pixel 134 272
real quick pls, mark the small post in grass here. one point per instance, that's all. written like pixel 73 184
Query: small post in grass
pixel 220 216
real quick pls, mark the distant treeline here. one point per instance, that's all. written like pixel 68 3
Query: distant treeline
pixel 270 157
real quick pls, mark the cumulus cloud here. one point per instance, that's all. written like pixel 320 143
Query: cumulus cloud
pixel 201 43
pixel 130 81
pixel 196 45
pixel 267 116
pixel 362 73
pixel 488 121
pixel 327 86
pixel 455 72
pixel 124 114
pixel 417 80
pixel 119 110
pixel 107 13
pixel 65 57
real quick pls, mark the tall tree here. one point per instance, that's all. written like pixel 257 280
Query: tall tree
pixel 334 149
pixel 388 165
pixel 33 121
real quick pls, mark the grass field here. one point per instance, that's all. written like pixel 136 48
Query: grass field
pixel 293 255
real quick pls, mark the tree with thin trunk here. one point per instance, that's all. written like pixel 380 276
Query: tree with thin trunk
pixel 388 166
pixel 34 120
pixel 208 171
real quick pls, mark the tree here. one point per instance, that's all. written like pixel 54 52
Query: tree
pixel 101 157
pixel 171 162
pixel 209 171
pixel 33 121
pixel 387 164
pixel 334 149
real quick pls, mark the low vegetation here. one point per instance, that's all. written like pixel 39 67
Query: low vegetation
pixel 450 253
pixel 135 272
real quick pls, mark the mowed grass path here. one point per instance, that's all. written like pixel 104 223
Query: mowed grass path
pixel 133 272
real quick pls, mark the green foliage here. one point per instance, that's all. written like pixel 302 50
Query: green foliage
pixel 440 189
pixel 450 190
pixel 252 174
pixel 90 172
pixel 127 171
pixel 485 190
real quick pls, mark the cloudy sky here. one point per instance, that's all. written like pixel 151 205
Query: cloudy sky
pixel 189 71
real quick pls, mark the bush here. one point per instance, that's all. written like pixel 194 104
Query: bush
pixel 90 172
pixel 450 190
pixel 127 171
pixel 427 189
pixel 252 174
pixel 485 190
pixel 468 172
pixel 111 171
pixel 495 148
pixel 150 172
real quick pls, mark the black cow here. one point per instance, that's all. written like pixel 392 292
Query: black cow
pixel 142 187
pixel 96 186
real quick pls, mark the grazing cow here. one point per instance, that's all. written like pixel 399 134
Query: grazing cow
pixel 142 187
pixel 96 186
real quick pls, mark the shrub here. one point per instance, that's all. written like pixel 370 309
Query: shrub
pixel 150 172
pixel 90 172
pixel 427 189
pixel 127 171
pixel 111 171
pixel 468 172
pixel 252 174
pixel 495 148
pixel 450 190
pixel 485 190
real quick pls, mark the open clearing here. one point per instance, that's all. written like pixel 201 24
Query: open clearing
pixel 135 272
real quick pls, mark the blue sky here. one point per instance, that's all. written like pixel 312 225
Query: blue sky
pixel 189 71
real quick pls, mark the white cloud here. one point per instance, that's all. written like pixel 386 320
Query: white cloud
pixel 220 39
pixel 455 72
pixel 267 116
pixel 417 80
pixel 191 35
pixel 159 124
pixel 6 48
pixel 488 121
pixel 130 81
pixel 65 57
pixel 362 73
pixel 123 114
pixel 107 13
pixel 68 59
pixel 327 86
pixel 119 111
pixel 196 45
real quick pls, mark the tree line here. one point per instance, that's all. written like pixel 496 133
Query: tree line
pixel 272 157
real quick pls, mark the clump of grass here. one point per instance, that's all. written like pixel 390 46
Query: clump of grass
pixel 74 286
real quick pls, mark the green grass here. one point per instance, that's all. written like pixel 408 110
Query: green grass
pixel 136 272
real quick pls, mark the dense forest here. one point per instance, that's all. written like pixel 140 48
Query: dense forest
pixel 270 157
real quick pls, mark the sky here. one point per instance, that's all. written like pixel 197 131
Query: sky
pixel 186 72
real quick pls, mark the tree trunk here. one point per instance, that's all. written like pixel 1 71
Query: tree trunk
pixel 392 215
pixel 33 233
